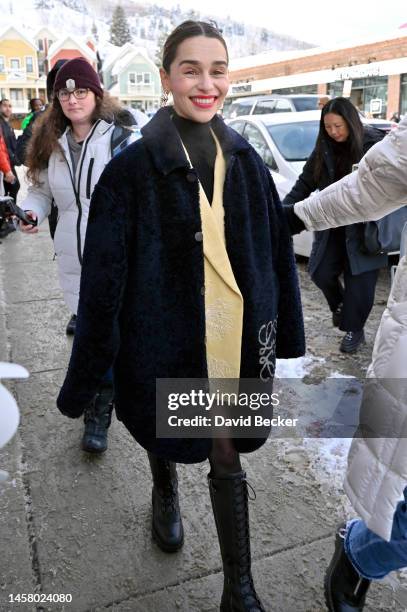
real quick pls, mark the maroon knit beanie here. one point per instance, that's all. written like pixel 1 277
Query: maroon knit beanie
pixel 78 73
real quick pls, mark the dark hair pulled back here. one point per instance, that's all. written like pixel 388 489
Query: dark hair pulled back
pixel 189 29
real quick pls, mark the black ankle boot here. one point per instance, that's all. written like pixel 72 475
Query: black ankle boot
pixel 167 529
pixel 345 589
pixel 230 509
pixel 97 420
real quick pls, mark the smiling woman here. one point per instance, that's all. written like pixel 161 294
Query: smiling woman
pixel 194 279
pixel 197 77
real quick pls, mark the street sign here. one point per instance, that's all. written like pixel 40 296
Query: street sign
pixel 376 106
pixel 347 88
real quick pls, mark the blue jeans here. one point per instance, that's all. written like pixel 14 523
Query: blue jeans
pixel 372 556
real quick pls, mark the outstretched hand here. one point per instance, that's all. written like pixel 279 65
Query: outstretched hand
pixel 29 229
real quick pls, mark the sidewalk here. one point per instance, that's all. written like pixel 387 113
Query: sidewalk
pixel 79 525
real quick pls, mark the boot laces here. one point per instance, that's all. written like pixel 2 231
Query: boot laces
pixel 169 490
pixel 247 589
pixel 169 498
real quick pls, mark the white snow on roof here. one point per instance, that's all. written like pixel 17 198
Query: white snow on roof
pixel 122 62
pixel 63 43
pixel 4 32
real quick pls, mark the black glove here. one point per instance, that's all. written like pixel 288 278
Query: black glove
pixel 70 408
pixel 294 223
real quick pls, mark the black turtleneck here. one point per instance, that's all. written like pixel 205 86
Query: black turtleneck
pixel 201 147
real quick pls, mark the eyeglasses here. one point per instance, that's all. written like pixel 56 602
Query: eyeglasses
pixel 80 93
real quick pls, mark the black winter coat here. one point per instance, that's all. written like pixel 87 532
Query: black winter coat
pixel 306 184
pixel 11 142
pixel 141 300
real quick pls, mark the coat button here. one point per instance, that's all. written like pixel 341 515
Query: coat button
pixel 202 290
pixel 191 177
pixel 199 236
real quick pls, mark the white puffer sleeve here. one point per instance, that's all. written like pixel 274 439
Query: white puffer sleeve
pixel 39 197
pixel 376 189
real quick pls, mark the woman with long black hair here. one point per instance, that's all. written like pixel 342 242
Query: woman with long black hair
pixel 342 141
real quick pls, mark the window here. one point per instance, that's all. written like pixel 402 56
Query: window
pixel 239 107
pixel 264 106
pixel 303 104
pixel 139 78
pixel 301 89
pixel 41 66
pixel 295 141
pixel 15 64
pixel 40 44
pixel 259 144
pixel 29 64
pixel 16 97
pixel 2 63
pixel 282 106
pixel 238 126
pixel 403 94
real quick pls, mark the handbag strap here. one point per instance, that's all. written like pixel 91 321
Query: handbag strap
pixel 403 241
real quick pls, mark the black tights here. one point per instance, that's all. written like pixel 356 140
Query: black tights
pixel 224 458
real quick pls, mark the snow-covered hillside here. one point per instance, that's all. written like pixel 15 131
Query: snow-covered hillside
pixel 148 23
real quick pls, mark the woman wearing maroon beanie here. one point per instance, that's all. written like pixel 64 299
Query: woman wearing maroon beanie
pixel 70 146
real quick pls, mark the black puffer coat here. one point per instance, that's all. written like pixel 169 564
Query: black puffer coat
pixel 306 184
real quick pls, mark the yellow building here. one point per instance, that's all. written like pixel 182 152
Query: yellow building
pixel 19 77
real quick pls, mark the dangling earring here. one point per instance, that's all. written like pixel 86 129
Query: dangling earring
pixel 164 98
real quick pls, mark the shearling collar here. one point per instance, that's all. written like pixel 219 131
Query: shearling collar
pixel 162 140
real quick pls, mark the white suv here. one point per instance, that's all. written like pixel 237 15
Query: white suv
pixel 264 105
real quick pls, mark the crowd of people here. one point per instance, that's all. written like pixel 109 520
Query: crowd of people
pixel 196 259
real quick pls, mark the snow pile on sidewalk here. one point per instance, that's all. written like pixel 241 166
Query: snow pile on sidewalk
pixel 325 458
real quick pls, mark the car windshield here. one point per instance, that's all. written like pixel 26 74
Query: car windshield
pixel 304 104
pixel 295 141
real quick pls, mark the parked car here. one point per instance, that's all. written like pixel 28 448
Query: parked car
pixel 380 124
pixel 284 141
pixel 274 103
pixel 264 105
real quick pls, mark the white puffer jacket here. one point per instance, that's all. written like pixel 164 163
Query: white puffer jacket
pixel 377 467
pixel 72 201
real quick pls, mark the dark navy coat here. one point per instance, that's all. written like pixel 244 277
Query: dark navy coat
pixel 142 288
pixel 306 184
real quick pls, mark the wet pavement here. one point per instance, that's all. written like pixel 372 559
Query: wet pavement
pixel 72 524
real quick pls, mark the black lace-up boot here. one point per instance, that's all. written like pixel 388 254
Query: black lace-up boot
pixel 345 589
pixel 97 420
pixel 352 341
pixel 229 499
pixel 167 528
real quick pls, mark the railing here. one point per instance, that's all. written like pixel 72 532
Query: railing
pixel 16 74
pixel 140 88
